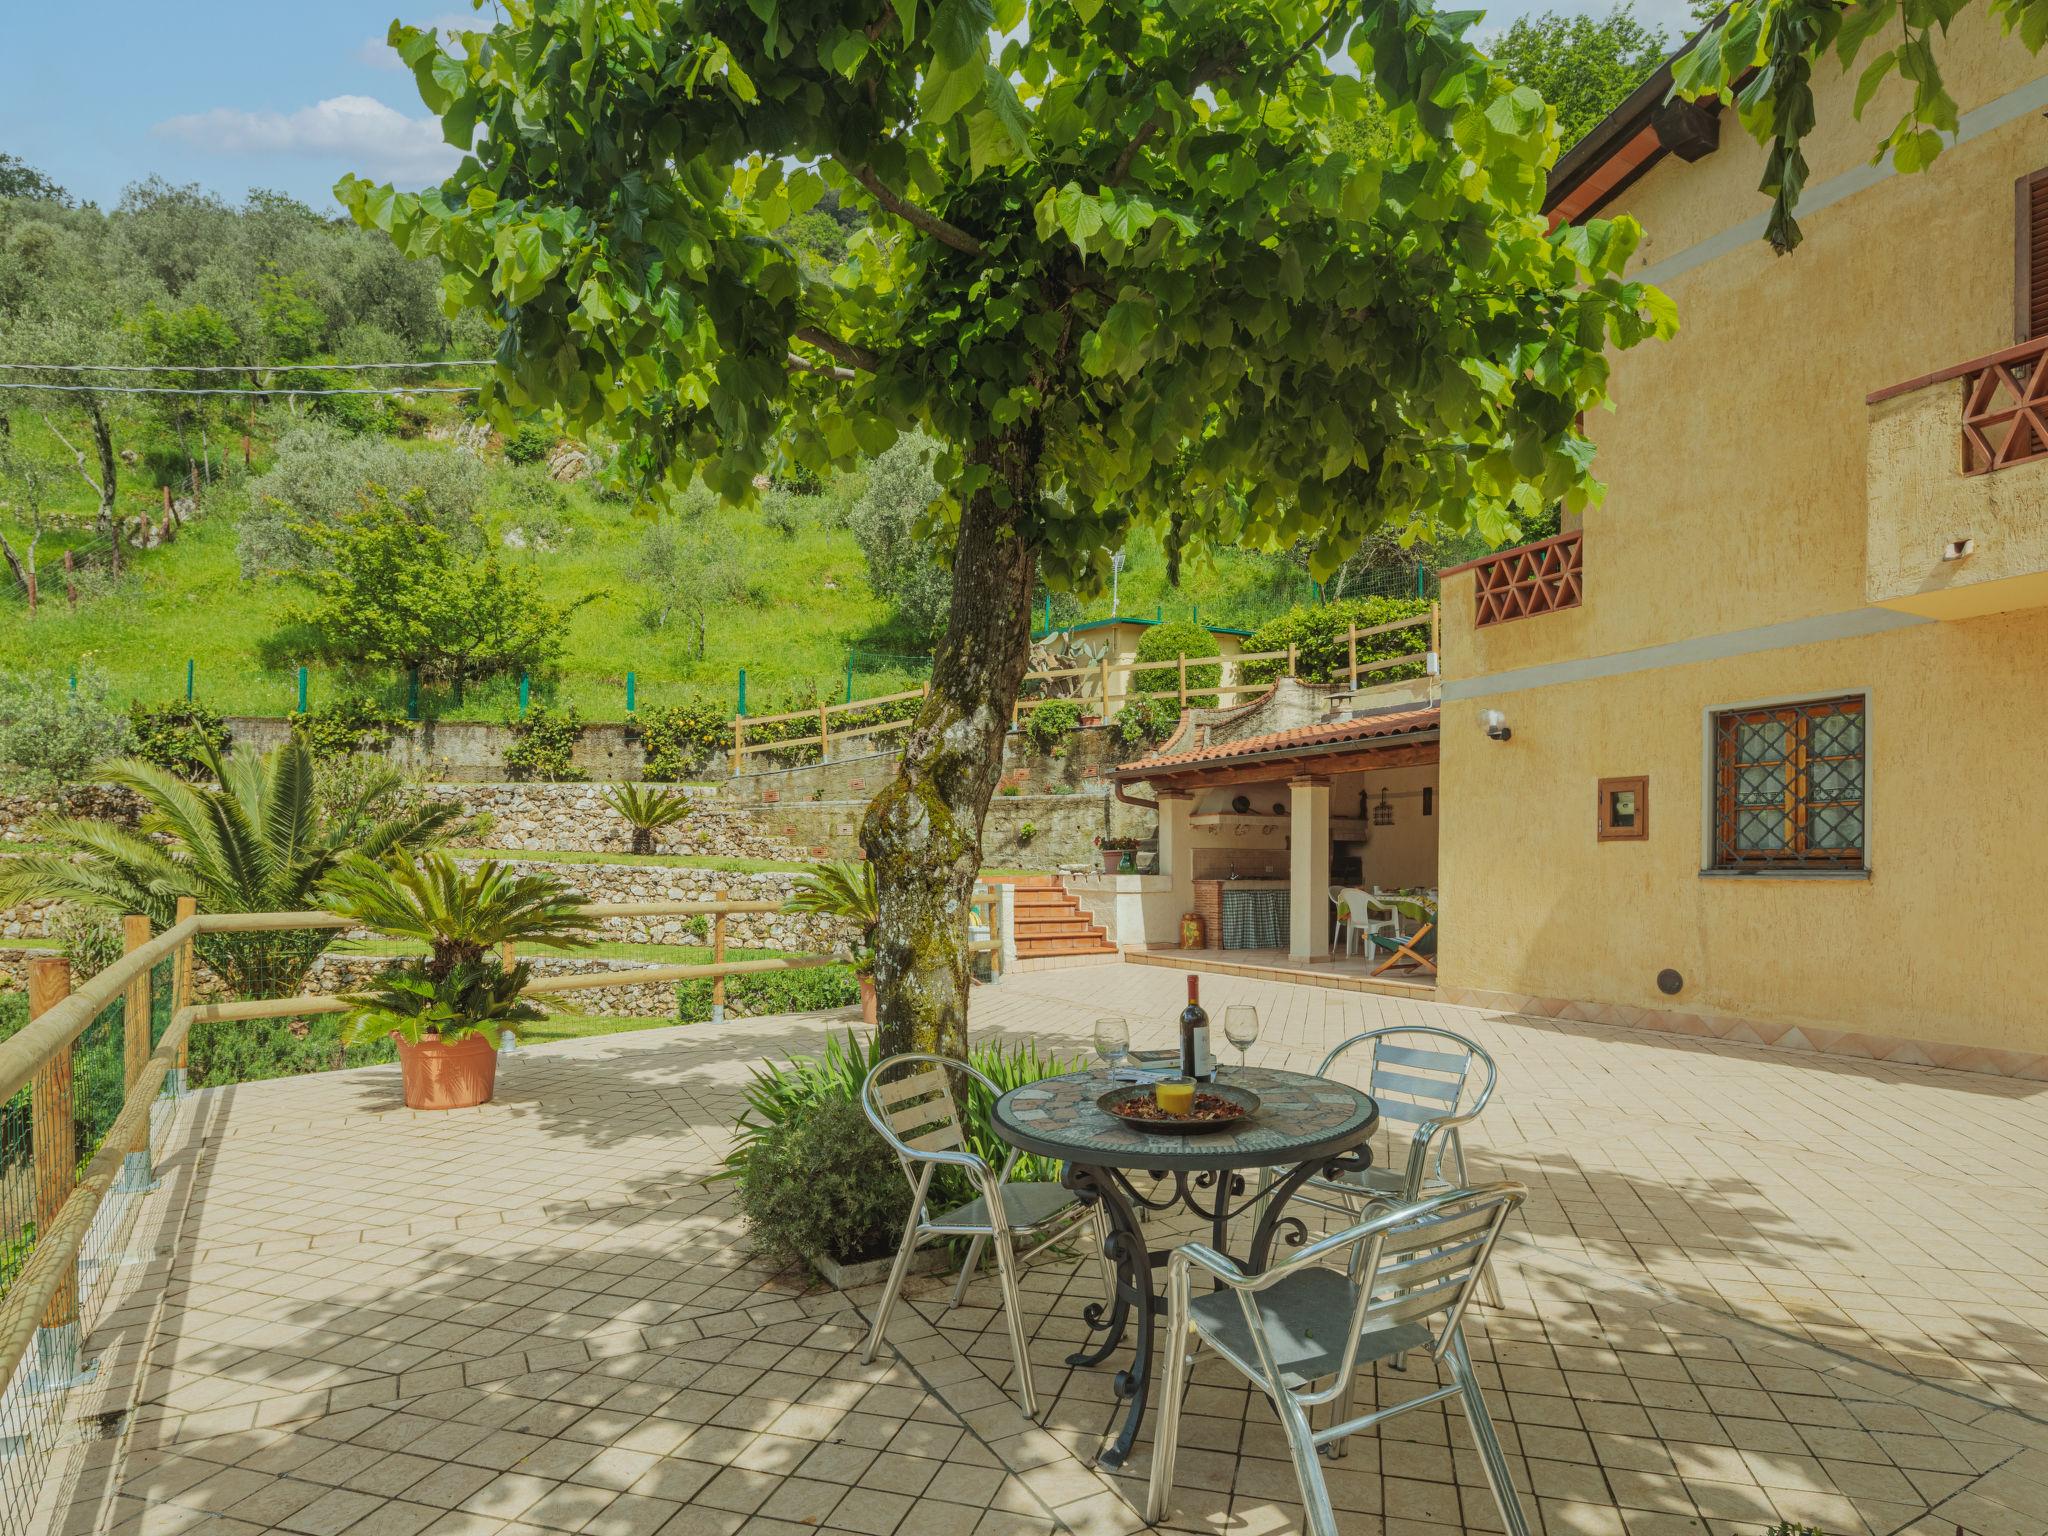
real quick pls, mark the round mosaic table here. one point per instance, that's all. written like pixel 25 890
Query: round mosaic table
pixel 1306 1125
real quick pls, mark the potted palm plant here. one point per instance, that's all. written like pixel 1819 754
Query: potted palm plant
pixel 647 811
pixel 846 888
pixel 445 1009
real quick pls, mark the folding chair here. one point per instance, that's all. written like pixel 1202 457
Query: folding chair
pixel 1377 1291
pixel 916 1115
pixel 1418 949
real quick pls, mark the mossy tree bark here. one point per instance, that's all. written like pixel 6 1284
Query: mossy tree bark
pixel 923 831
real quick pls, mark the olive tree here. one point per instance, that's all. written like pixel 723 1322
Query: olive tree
pixel 1113 262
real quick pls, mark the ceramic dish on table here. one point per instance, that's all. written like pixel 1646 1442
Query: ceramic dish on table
pixel 1217 1107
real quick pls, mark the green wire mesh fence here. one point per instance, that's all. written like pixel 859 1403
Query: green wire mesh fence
pixel 37 1418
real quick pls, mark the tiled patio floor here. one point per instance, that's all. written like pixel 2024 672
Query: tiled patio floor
pixel 1748 1285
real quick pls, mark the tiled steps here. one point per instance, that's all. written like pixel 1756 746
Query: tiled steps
pixel 1051 924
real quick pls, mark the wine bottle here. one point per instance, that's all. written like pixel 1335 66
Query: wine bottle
pixel 1195 1059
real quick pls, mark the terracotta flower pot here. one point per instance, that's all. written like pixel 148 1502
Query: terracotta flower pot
pixel 870 1010
pixel 1112 860
pixel 440 1075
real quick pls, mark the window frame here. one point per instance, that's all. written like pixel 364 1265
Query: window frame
pixel 1799 862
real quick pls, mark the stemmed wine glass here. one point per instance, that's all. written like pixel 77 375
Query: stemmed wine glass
pixel 1241 1029
pixel 1112 1041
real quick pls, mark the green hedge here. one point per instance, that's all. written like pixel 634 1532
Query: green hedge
pixel 1167 642
pixel 1319 633
pixel 761 993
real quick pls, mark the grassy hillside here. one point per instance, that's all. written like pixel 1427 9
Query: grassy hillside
pixel 808 610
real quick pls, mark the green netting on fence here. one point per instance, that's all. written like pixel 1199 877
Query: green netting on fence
pixel 34 1423
pixel 97 1082
pixel 162 976
pixel 17 1187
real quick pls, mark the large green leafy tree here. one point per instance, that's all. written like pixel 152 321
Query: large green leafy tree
pixel 1584 66
pixel 1112 262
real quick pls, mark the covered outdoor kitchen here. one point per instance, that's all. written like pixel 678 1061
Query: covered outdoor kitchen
pixel 1259 835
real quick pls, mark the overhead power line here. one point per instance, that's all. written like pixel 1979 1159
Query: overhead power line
pixel 246 394
pixel 460 362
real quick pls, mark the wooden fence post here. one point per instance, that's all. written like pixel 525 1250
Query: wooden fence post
pixel 1184 682
pixel 718 958
pixel 53 1134
pixel 1290 658
pixel 137 1176
pixel 181 992
pixel 824 733
pixel 739 741
pixel 1351 648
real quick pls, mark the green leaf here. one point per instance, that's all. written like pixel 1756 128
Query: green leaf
pixel 1080 215
pixel 1874 75
pixel 948 89
pixel 959 33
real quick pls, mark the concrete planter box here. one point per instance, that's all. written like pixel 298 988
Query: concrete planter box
pixel 847 1277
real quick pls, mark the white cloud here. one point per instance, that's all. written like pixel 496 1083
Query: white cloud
pixel 373 139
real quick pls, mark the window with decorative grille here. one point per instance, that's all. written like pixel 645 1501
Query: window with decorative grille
pixel 2030 257
pixel 1789 786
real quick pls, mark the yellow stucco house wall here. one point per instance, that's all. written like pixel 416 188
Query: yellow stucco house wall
pixel 1769 536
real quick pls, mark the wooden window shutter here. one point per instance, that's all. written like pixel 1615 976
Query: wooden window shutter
pixel 2030 264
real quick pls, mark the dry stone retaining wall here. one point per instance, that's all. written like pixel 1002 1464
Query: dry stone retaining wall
pixel 575 817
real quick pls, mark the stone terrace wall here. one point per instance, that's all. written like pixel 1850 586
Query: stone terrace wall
pixel 99 802
pixel 575 818
pixel 800 932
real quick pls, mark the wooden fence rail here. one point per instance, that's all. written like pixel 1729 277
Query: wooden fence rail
pixel 1103 670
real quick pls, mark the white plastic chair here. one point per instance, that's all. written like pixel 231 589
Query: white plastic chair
pixel 1376 1291
pixel 916 1115
pixel 1371 913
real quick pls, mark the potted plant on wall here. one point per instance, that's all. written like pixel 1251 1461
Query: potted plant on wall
pixel 846 889
pixel 1117 852
pixel 446 1008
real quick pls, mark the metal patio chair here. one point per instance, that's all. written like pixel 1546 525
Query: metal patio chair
pixel 1397 1283
pixel 1428 1083
pixel 916 1115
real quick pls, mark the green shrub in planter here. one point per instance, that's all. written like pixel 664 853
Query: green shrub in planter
pixel 1047 725
pixel 822 1183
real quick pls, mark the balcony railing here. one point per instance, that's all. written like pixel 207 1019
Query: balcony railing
pixel 1533 578
pixel 1955 470
pixel 2005 405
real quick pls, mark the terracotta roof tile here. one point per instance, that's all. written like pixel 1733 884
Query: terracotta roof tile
pixel 1364 728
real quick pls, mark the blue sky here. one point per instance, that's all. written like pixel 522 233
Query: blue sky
pixel 286 94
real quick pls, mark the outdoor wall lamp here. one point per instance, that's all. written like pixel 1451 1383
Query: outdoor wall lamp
pixel 1496 724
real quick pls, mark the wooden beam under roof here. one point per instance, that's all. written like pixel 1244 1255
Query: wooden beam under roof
pixel 1274 770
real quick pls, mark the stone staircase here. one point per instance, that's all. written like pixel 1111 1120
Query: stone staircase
pixel 1051 924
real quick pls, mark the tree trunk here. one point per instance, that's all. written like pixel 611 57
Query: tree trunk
pixel 110 470
pixel 923 831
pixel 24 575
